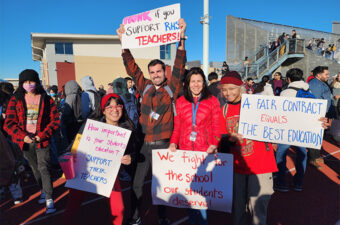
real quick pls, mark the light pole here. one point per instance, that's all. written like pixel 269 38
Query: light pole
pixel 205 22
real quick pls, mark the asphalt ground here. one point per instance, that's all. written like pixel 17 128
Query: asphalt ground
pixel 317 204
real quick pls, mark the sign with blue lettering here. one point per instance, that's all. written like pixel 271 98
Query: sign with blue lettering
pixel 283 120
pixel 97 160
pixel 152 28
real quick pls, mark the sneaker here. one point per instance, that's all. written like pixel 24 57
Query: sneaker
pixel 50 206
pixel 281 188
pixel 42 198
pixel 137 221
pixel 297 188
pixel 314 163
pixel 17 201
pixel 320 160
pixel 164 221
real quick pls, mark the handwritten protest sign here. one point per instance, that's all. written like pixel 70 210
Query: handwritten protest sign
pixel 98 157
pixel 284 120
pixel 152 28
pixel 190 179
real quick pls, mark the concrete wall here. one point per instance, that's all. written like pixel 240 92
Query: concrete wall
pixel 309 62
pixel 99 58
pixel 104 70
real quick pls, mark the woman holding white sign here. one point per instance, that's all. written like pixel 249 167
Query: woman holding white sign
pixel 196 124
pixel 114 114
pixel 254 161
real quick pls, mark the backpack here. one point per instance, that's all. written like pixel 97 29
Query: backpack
pixel 131 107
pixel 168 90
pixel 301 93
pixel 97 103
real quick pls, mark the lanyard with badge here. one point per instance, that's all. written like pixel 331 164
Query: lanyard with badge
pixel 193 133
pixel 153 114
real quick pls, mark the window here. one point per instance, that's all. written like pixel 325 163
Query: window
pixel 165 51
pixel 64 48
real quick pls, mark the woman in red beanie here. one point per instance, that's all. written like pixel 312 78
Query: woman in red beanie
pixel 254 161
pixel 114 113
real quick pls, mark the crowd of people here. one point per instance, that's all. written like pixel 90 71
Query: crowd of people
pixel 182 113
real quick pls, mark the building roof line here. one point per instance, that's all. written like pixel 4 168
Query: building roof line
pixel 294 27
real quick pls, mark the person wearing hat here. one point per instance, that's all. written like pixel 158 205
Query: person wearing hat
pixel 31 119
pixel 114 113
pixel 254 161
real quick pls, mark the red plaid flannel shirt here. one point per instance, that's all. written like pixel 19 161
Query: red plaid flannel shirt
pixel 48 120
pixel 157 100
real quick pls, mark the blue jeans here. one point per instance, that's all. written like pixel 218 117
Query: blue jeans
pixel 198 214
pixel 300 164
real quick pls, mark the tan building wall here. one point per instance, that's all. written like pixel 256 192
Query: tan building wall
pixel 104 70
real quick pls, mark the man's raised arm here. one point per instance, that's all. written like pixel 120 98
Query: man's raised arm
pixel 132 69
pixel 180 60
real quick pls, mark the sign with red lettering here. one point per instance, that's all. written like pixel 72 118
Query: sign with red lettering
pixel 191 179
pixel 98 157
pixel 283 120
pixel 152 28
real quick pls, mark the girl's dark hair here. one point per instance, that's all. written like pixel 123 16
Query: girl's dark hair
pixel 125 118
pixel 260 86
pixel 186 90
pixel 20 91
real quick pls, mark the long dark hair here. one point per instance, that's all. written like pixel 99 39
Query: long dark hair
pixel 124 121
pixel 186 89
pixel 260 86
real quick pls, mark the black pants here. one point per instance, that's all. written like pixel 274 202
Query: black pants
pixel 143 165
pixel 39 161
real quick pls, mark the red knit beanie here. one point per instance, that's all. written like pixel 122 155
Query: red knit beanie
pixel 106 98
pixel 231 77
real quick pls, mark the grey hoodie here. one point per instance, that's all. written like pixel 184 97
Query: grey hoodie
pixel 88 85
pixel 71 90
pixel 296 84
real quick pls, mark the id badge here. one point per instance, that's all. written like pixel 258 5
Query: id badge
pixel 193 136
pixel 154 115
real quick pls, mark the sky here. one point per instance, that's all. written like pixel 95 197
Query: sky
pixel 18 18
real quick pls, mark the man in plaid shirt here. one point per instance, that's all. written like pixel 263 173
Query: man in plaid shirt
pixel 157 113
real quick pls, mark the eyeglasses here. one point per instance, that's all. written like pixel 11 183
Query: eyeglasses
pixel 112 107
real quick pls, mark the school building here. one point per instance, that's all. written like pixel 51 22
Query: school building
pixel 65 57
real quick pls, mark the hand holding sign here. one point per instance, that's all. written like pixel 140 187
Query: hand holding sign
pixel 126 160
pixel 173 147
pixel 182 26
pixel 212 149
pixel 120 31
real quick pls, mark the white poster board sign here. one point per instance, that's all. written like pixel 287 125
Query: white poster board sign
pixel 98 157
pixel 191 179
pixel 284 120
pixel 152 28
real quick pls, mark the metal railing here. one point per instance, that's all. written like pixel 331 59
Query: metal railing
pixel 265 60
